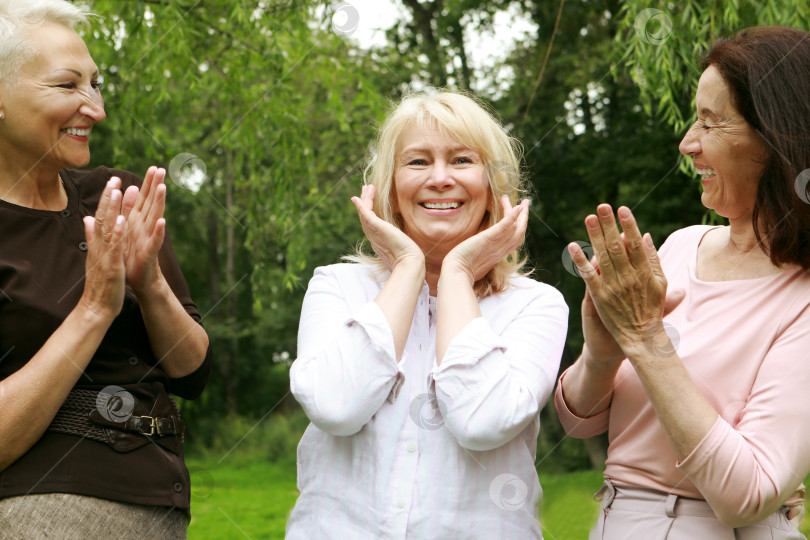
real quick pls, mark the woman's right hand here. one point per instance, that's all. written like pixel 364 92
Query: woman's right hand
pixel 600 347
pixel 105 274
pixel 391 244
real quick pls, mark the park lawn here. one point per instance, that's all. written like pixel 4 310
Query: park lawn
pixel 252 499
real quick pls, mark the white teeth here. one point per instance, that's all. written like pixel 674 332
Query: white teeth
pixel 706 173
pixel 441 206
pixel 77 131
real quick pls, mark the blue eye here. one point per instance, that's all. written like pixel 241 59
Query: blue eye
pixel 417 162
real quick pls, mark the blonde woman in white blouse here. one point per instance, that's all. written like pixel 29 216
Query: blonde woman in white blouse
pixel 423 368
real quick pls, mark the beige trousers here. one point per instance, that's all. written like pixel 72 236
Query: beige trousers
pixel 646 514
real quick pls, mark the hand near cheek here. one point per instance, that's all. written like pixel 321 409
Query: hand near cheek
pixel 391 244
pixel 477 255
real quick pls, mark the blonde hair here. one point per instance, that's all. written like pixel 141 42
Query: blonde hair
pixel 17 16
pixel 465 120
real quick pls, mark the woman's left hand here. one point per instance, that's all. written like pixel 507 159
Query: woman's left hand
pixel 629 289
pixel 146 228
pixel 477 255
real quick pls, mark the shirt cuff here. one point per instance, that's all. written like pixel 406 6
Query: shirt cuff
pixel 575 425
pixel 373 322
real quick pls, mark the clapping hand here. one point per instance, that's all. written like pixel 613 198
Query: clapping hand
pixel 626 286
pixel 104 277
pixel 146 228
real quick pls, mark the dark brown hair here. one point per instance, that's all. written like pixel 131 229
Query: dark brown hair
pixel 767 69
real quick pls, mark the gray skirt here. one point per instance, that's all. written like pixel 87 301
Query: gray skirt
pixel 67 516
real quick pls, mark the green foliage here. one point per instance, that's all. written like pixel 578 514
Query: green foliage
pixel 662 48
pixel 238 439
pixel 279 111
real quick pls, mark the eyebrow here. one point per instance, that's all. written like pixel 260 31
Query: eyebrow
pixel 705 111
pixel 79 73
pixel 416 149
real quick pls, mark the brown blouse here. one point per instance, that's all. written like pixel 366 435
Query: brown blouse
pixel 42 263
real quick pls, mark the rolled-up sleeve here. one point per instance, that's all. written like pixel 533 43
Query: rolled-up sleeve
pixel 574 425
pixel 346 366
pixel 492 384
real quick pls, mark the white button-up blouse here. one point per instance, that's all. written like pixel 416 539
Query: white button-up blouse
pixel 410 449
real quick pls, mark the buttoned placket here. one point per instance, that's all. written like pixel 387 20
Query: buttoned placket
pixel 417 350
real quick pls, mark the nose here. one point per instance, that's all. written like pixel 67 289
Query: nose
pixel 93 106
pixel 441 176
pixel 690 144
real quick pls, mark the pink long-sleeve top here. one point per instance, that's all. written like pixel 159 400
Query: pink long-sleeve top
pixel 746 345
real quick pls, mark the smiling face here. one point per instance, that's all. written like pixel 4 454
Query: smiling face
pixel 728 153
pixel 442 192
pixel 53 104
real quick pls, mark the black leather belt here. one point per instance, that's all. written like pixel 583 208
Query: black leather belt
pixel 91 414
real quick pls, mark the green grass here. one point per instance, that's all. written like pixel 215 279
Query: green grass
pixel 248 498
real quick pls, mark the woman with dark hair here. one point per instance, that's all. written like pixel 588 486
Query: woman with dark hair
pixel 704 392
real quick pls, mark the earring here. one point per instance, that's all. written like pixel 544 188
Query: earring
pixel 2 116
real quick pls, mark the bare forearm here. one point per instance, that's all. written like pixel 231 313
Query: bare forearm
pixel 588 385
pixel 457 306
pixel 397 300
pixel 178 341
pixel 682 409
pixel 30 397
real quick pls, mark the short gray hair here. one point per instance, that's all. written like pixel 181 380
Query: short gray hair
pixel 16 16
